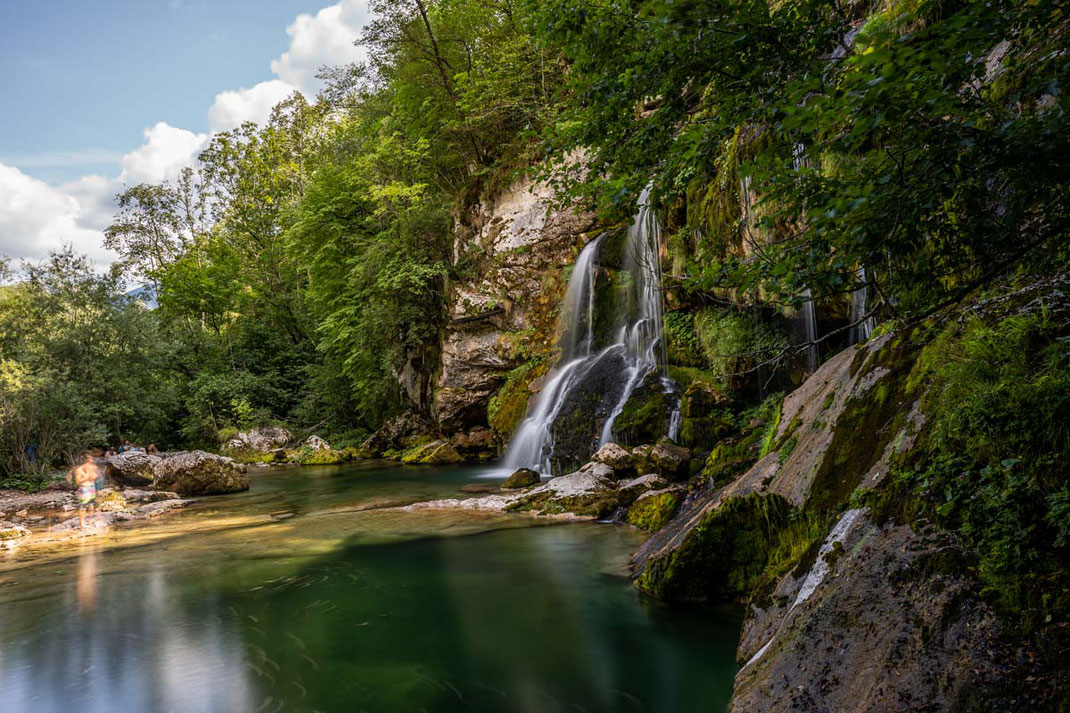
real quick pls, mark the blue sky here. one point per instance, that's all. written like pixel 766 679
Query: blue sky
pixel 85 77
pixel 103 94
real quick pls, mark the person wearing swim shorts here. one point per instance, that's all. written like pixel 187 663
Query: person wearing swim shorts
pixel 85 478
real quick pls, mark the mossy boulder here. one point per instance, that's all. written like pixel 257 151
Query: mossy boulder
pixel 200 473
pixel 131 469
pixel 652 510
pixel 723 556
pixel 523 478
pixel 589 492
pixel 631 490
pixel 433 453
pixel 670 460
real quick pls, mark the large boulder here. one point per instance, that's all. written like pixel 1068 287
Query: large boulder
pixel 433 453
pixel 399 433
pixel 522 478
pixel 589 492
pixel 200 473
pixel 619 459
pixel 670 460
pixel 261 440
pixel 132 469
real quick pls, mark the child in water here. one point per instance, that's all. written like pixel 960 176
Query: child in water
pixel 85 478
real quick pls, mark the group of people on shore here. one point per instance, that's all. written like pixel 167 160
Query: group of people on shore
pixel 128 447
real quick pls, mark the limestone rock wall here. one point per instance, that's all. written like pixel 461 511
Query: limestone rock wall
pixel 517 248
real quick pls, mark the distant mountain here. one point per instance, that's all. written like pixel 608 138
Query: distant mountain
pixel 146 294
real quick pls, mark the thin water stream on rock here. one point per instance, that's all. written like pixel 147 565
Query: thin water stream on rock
pixel 298 597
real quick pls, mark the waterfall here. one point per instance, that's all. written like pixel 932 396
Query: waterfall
pixel 861 331
pixel 587 372
pixel 809 317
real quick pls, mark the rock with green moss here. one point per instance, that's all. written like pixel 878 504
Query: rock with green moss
pixel 630 490
pixel 670 460
pixel 589 492
pixel 522 478
pixel 654 509
pixel 433 453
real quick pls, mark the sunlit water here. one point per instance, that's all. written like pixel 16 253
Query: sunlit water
pixel 297 597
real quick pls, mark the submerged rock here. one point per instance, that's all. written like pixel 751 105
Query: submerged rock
pixel 9 532
pixel 522 478
pixel 111 501
pixel 200 473
pixel 133 469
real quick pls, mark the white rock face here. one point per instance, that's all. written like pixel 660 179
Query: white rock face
pixel 525 243
pixel 317 444
pixel 263 439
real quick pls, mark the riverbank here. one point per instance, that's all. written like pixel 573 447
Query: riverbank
pixel 51 516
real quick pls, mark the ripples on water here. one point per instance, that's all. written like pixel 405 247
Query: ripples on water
pixel 296 597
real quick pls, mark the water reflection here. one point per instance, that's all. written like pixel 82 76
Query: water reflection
pixel 253 620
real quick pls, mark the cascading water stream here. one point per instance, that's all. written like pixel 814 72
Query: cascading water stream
pixel 809 316
pixel 614 371
pixel 863 328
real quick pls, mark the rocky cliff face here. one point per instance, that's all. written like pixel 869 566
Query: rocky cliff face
pixel 854 602
pixel 519 248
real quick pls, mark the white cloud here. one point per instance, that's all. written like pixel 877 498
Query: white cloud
pixel 166 151
pixel 233 107
pixel 36 218
pixel 325 38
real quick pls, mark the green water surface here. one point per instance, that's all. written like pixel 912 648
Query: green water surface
pixel 306 594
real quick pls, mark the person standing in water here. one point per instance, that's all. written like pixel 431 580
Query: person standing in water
pixel 85 478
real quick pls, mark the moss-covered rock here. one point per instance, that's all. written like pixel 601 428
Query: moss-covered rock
pixel 522 478
pixel 507 407
pixel 619 459
pixel 670 460
pixel 652 510
pixel 433 453
pixel 645 416
pixel 725 555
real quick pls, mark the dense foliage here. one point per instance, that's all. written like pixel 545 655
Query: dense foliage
pixel 923 140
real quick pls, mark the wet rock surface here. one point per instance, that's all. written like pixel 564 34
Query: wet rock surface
pixel 522 478
pixel 889 627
